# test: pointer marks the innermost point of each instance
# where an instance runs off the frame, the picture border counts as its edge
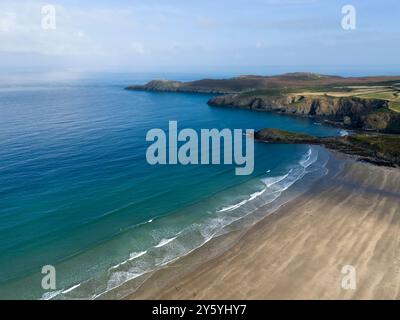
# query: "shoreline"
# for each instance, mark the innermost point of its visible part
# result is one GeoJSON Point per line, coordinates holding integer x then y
{"type": "Point", "coordinates": [297, 252]}
{"type": "Point", "coordinates": [300, 178]}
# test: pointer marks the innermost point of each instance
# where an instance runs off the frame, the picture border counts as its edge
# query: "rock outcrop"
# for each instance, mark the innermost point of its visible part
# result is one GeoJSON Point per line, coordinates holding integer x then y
{"type": "Point", "coordinates": [201, 86]}
{"type": "Point", "coordinates": [158, 85]}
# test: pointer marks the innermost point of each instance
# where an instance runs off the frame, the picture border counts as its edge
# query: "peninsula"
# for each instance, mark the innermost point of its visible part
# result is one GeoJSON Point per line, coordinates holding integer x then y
{"type": "Point", "coordinates": [361, 103]}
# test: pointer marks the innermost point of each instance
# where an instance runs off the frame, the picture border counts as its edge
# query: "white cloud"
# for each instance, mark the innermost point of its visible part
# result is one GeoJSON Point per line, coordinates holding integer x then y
{"type": "Point", "coordinates": [79, 31]}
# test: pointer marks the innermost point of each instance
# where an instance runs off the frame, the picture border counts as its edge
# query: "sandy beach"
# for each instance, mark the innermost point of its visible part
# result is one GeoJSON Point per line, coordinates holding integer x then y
{"type": "Point", "coordinates": [298, 252]}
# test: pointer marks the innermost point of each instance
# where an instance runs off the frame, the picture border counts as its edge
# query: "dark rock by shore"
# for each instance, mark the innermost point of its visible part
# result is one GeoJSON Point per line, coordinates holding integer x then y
{"type": "Point", "coordinates": [380, 149]}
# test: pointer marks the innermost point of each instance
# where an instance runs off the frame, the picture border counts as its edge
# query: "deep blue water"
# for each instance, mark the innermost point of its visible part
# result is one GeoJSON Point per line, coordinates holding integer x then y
{"type": "Point", "coordinates": [76, 191]}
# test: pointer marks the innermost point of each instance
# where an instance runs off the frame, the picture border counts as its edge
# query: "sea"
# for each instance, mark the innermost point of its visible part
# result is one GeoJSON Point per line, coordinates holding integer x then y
{"type": "Point", "coordinates": [77, 194]}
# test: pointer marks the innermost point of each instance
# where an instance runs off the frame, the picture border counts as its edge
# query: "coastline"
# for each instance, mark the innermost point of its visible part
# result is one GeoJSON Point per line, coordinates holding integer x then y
{"type": "Point", "coordinates": [352, 103]}
{"type": "Point", "coordinates": [346, 218]}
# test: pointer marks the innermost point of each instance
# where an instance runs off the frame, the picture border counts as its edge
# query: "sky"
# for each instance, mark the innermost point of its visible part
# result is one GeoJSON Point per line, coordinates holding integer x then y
{"type": "Point", "coordinates": [193, 35]}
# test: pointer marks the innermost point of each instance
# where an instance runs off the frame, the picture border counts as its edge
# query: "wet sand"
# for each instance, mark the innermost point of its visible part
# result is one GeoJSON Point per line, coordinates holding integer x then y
{"type": "Point", "coordinates": [299, 251]}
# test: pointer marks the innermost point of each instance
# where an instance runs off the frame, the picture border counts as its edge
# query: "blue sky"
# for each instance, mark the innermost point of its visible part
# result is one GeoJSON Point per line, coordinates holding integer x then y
{"type": "Point", "coordinates": [188, 35]}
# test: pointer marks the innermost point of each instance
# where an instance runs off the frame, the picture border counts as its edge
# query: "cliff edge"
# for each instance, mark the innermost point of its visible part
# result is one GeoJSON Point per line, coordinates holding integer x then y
{"type": "Point", "coordinates": [350, 112]}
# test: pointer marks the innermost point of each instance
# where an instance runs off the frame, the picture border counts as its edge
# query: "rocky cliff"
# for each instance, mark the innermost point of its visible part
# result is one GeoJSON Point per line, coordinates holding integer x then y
{"type": "Point", "coordinates": [350, 112]}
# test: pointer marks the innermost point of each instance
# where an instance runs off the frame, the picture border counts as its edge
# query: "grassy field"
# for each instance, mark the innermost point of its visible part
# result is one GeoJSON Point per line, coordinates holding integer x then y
{"type": "Point", "coordinates": [395, 105]}
{"type": "Point", "coordinates": [388, 144]}
{"type": "Point", "coordinates": [388, 93]}
{"type": "Point", "coordinates": [306, 91]}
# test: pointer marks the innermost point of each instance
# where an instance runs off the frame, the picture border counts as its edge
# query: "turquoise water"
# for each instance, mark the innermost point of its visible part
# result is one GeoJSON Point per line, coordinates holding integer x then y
{"type": "Point", "coordinates": [76, 191]}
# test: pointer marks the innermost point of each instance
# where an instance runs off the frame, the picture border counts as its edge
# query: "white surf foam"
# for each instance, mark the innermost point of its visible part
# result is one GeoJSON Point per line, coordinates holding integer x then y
{"type": "Point", "coordinates": [132, 256]}
{"type": "Point", "coordinates": [50, 295]}
{"type": "Point", "coordinates": [135, 255]}
{"type": "Point", "coordinates": [273, 180]}
{"type": "Point", "coordinates": [164, 242]}
{"type": "Point", "coordinates": [72, 288]}
{"type": "Point", "coordinates": [241, 203]}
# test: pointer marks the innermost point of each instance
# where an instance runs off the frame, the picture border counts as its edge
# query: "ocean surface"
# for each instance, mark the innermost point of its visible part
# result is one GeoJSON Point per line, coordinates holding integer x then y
{"type": "Point", "coordinates": [77, 193]}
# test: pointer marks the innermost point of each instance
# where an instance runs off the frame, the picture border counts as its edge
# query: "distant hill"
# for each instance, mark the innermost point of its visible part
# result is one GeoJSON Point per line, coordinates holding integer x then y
{"type": "Point", "coordinates": [254, 82]}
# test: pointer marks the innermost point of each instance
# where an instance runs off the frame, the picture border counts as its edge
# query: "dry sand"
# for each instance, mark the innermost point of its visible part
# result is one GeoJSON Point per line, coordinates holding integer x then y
{"type": "Point", "coordinates": [299, 251]}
